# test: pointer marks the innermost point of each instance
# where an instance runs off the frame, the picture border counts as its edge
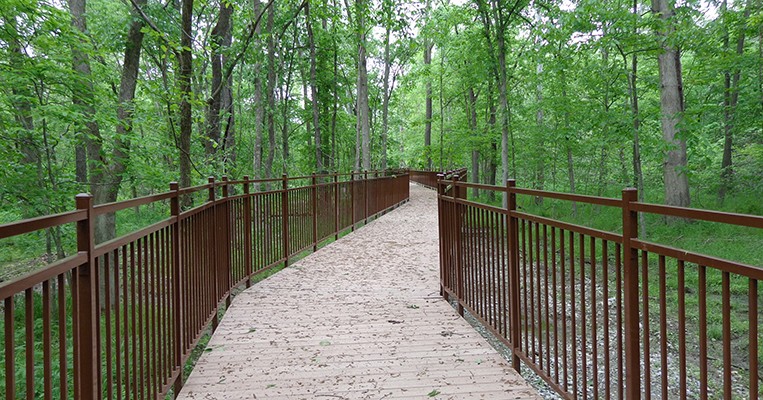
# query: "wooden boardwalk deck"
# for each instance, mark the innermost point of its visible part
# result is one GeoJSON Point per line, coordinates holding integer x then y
{"type": "Point", "coordinates": [360, 319]}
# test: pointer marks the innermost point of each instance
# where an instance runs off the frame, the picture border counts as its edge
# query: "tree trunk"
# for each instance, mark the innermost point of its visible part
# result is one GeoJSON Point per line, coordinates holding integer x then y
{"type": "Point", "coordinates": [385, 97]}
{"type": "Point", "coordinates": [259, 107]}
{"type": "Point", "coordinates": [539, 117]}
{"type": "Point", "coordinates": [184, 84]}
{"type": "Point", "coordinates": [286, 92]}
{"type": "Point", "coordinates": [428, 106]}
{"type": "Point", "coordinates": [314, 90]}
{"type": "Point", "coordinates": [364, 121]}
{"type": "Point", "coordinates": [730, 101]}
{"type": "Point", "coordinates": [471, 107]}
{"type": "Point", "coordinates": [270, 93]}
{"type": "Point", "coordinates": [571, 176]}
{"type": "Point", "coordinates": [491, 121]}
{"type": "Point", "coordinates": [214, 105]}
{"type": "Point", "coordinates": [638, 175]}
{"type": "Point", "coordinates": [672, 108]}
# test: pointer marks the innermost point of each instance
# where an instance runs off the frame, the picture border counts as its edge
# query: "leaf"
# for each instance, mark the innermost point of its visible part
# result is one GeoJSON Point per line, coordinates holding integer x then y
{"type": "Point", "coordinates": [325, 343]}
{"type": "Point", "coordinates": [433, 393]}
{"type": "Point", "coordinates": [252, 330]}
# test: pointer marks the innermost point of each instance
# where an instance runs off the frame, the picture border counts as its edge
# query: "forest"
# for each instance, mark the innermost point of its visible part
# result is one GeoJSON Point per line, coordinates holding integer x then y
{"type": "Point", "coordinates": [118, 98]}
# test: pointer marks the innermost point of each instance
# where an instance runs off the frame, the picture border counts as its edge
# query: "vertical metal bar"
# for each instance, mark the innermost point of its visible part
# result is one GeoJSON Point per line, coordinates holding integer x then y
{"type": "Point", "coordinates": [682, 329]}
{"type": "Point", "coordinates": [337, 227]}
{"type": "Point", "coordinates": [573, 314]}
{"type": "Point", "coordinates": [46, 342]}
{"type": "Point", "coordinates": [583, 319]}
{"type": "Point", "coordinates": [117, 327]}
{"type": "Point", "coordinates": [645, 324]}
{"type": "Point", "coordinates": [224, 247]}
{"type": "Point", "coordinates": [605, 306]}
{"type": "Point", "coordinates": [663, 328]}
{"type": "Point", "coordinates": [441, 241]}
{"type": "Point", "coordinates": [107, 320]}
{"type": "Point", "coordinates": [86, 293]}
{"type": "Point", "coordinates": [726, 300]}
{"type": "Point", "coordinates": [594, 314]}
{"type": "Point", "coordinates": [525, 287]}
{"type": "Point", "coordinates": [365, 185]}
{"type": "Point", "coordinates": [631, 291]}
{"type": "Point", "coordinates": [212, 234]}
{"type": "Point", "coordinates": [513, 248]}
{"type": "Point", "coordinates": [619, 319]}
{"type": "Point", "coordinates": [141, 354]}
{"type": "Point", "coordinates": [62, 353]}
{"type": "Point", "coordinates": [352, 201]}
{"type": "Point", "coordinates": [10, 347]}
{"type": "Point", "coordinates": [457, 244]}
{"type": "Point", "coordinates": [315, 212]}
{"type": "Point", "coordinates": [531, 291]}
{"type": "Point", "coordinates": [545, 300]}
{"type": "Point", "coordinates": [285, 218]}
{"type": "Point", "coordinates": [177, 314]}
{"type": "Point", "coordinates": [563, 279]}
{"type": "Point", "coordinates": [752, 307]}
{"type": "Point", "coordinates": [29, 342]}
{"type": "Point", "coordinates": [248, 244]}
{"type": "Point", "coordinates": [556, 305]}
{"type": "Point", "coordinates": [702, 331]}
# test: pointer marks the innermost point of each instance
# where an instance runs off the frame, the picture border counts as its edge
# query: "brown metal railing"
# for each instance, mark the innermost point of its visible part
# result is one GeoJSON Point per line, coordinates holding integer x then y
{"type": "Point", "coordinates": [589, 311]}
{"type": "Point", "coordinates": [119, 320]}
{"type": "Point", "coordinates": [429, 179]}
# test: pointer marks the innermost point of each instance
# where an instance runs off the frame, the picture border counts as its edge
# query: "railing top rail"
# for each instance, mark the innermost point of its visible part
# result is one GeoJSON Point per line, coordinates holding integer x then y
{"type": "Point", "coordinates": [35, 224]}
{"type": "Point", "coordinates": [752, 221]}
{"type": "Point", "coordinates": [604, 201]}
{"type": "Point", "coordinates": [24, 282]}
{"type": "Point", "coordinates": [121, 205]}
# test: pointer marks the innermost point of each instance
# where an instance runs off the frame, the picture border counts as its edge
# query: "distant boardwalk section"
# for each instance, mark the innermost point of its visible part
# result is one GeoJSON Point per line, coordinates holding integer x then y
{"type": "Point", "coordinates": [359, 319]}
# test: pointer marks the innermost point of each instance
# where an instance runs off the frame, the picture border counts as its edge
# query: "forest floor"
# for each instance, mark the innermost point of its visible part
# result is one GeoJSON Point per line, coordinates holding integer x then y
{"type": "Point", "coordinates": [361, 318]}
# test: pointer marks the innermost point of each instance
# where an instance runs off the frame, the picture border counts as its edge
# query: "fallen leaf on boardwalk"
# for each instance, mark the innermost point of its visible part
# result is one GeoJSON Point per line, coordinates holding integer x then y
{"type": "Point", "coordinates": [433, 393]}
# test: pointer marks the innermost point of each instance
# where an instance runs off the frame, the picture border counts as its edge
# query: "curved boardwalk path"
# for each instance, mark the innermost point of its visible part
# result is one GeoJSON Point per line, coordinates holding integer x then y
{"type": "Point", "coordinates": [360, 319]}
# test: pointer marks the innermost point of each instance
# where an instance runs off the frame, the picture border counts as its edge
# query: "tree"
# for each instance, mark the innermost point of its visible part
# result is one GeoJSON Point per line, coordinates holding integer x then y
{"type": "Point", "coordinates": [362, 107]}
{"type": "Point", "coordinates": [672, 107]}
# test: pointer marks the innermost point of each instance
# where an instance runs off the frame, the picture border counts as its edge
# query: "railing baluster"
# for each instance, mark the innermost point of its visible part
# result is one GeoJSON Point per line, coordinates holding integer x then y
{"type": "Point", "coordinates": [513, 262]}
{"type": "Point", "coordinates": [631, 297]}
{"type": "Point", "coordinates": [87, 370]}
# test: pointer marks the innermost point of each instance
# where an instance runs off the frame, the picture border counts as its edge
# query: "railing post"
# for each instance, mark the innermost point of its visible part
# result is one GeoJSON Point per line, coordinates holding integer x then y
{"type": "Point", "coordinates": [315, 212]}
{"type": "Point", "coordinates": [248, 232]}
{"type": "Point", "coordinates": [441, 221]}
{"type": "Point", "coordinates": [365, 185]}
{"type": "Point", "coordinates": [213, 233]}
{"type": "Point", "coordinates": [631, 296]}
{"type": "Point", "coordinates": [352, 201]}
{"type": "Point", "coordinates": [336, 206]}
{"type": "Point", "coordinates": [177, 309]}
{"type": "Point", "coordinates": [512, 227]}
{"type": "Point", "coordinates": [457, 245]}
{"type": "Point", "coordinates": [224, 245]}
{"type": "Point", "coordinates": [87, 288]}
{"type": "Point", "coordinates": [285, 218]}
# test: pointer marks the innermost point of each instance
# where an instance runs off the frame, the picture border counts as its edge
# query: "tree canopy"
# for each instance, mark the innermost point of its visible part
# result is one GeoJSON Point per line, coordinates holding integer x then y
{"type": "Point", "coordinates": [118, 98]}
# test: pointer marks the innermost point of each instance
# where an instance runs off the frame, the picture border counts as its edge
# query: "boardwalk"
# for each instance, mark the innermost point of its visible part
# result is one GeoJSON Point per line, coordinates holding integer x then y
{"type": "Point", "coordinates": [360, 319]}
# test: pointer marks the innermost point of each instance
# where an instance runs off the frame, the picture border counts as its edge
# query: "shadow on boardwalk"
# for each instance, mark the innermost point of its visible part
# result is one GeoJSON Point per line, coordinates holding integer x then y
{"type": "Point", "coordinates": [360, 319]}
